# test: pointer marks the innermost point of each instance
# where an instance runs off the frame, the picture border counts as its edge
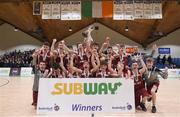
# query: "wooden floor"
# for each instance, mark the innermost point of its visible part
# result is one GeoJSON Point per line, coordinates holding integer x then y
{"type": "Point", "coordinates": [15, 99]}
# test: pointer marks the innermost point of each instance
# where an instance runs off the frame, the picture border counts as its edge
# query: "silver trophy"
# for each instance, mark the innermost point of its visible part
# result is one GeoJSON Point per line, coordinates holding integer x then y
{"type": "Point", "coordinates": [87, 34]}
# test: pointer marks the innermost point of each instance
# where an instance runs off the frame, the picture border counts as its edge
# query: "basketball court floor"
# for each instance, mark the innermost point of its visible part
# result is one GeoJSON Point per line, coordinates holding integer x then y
{"type": "Point", "coordinates": [16, 98]}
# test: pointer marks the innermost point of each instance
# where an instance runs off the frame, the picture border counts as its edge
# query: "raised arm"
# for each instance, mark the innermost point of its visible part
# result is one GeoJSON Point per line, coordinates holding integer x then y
{"type": "Point", "coordinates": [94, 59]}
{"type": "Point", "coordinates": [144, 68]}
{"type": "Point", "coordinates": [45, 75]}
{"type": "Point", "coordinates": [112, 71]}
{"type": "Point", "coordinates": [53, 43]}
{"type": "Point", "coordinates": [67, 49]}
{"type": "Point", "coordinates": [154, 47]}
{"type": "Point", "coordinates": [37, 52]}
{"type": "Point", "coordinates": [75, 69]}
{"type": "Point", "coordinates": [62, 63]}
{"type": "Point", "coordinates": [104, 45]}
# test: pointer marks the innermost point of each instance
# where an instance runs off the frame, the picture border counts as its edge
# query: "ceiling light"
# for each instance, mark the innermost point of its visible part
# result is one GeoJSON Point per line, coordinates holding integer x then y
{"type": "Point", "coordinates": [126, 28]}
{"type": "Point", "coordinates": [15, 29]}
{"type": "Point", "coordinates": [70, 29]}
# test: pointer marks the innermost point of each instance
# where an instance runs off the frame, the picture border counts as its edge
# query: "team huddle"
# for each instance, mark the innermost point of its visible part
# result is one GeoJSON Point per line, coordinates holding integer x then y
{"type": "Point", "coordinates": [94, 61]}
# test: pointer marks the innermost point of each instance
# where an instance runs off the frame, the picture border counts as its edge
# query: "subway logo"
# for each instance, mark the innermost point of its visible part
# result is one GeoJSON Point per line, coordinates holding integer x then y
{"type": "Point", "coordinates": [85, 88]}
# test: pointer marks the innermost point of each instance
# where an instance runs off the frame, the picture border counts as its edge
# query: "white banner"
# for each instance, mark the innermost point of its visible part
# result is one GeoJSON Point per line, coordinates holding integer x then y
{"type": "Point", "coordinates": [26, 72]}
{"type": "Point", "coordinates": [71, 10]}
{"type": "Point", "coordinates": [138, 9]}
{"type": "Point", "coordinates": [66, 10]}
{"type": "Point", "coordinates": [46, 10]}
{"type": "Point", "coordinates": [76, 10]}
{"type": "Point", "coordinates": [174, 73]}
{"type": "Point", "coordinates": [118, 12]}
{"type": "Point", "coordinates": [92, 95]}
{"type": "Point", "coordinates": [157, 10]}
{"type": "Point", "coordinates": [147, 10]}
{"type": "Point", "coordinates": [56, 10]}
{"type": "Point", "coordinates": [128, 10]}
{"type": "Point", "coordinates": [4, 72]}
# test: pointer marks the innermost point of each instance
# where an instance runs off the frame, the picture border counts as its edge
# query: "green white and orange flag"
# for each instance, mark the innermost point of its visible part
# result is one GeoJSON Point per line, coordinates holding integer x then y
{"type": "Point", "coordinates": [97, 9]}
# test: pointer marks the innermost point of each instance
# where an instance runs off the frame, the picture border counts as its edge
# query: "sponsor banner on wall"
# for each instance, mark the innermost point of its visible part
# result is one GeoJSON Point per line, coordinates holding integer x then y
{"type": "Point", "coordinates": [66, 10]}
{"type": "Point", "coordinates": [46, 10]}
{"type": "Point", "coordinates": [56, 10]}
{"type": "Point", "coordinates": [138, 9]}
{"type": "Point", "coordinates": [129, 10]}
{"type": "Point", "coordinates": [26, 72]}
{"type": "Point", "coordinates": [70, 10]}
{"type": "Point", "coordinates": [76, 10]}
{"type": "Point", "coordinates": [164, 50]}
{"type": "Point", "coordinates": [131, 49]}
{"type": "Point", "coordinates": [147, 9]}
{"type": "Point", "coordinates": [4, 72]}
{"type": "Point", "coordinates": [15, 72]}
{"type": "Point", "coordinates": [92, 95]}
{"type": "Point", "coordinates": [157, 10]}
{"type": "Point", "coordinates": [118, 10]}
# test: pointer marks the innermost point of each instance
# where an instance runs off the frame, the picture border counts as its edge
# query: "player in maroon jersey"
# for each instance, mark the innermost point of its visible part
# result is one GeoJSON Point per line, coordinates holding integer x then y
{"type": "Point", "coordinates": [86, 71]}
{"type": "Point", "coordinates": [119, 71]}
{"type": "Point", "coordinates": [43, 54]}
{"type": "Point", "coordinates": [139, 87]}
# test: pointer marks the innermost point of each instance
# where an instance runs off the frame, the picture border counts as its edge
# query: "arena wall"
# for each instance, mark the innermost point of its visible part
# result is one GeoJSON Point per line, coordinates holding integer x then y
{"type": "Point", "coordinates": [99, 36]}
{"type": "Point", "coordinates": [11, 40]}
{"type": "Point", "coordinates": [171, 41]}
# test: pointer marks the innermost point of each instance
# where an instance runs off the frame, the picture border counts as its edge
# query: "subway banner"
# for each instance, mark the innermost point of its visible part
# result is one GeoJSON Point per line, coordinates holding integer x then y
{"type": "Point", "coordinates": [86, 96]}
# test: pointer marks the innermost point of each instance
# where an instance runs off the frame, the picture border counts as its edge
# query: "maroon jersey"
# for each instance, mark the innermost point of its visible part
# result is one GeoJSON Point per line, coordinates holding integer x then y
{"type": "Point", "coordinates": [138, 81]}
{"type": "Point", "coordinates": [119, 59]}
{"type": "Point", "coordinates": [44, 57]}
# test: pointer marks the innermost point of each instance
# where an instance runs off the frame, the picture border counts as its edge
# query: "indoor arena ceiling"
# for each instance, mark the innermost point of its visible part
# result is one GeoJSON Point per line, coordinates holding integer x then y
{"type": "Point", "coordinates": [19, 14]}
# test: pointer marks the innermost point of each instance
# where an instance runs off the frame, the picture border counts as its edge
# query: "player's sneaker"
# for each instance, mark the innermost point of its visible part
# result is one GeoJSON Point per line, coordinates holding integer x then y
{"type": "Point", "coordinates": [143, 107]}
{"type": "Point", "coordinates": [153, 109]}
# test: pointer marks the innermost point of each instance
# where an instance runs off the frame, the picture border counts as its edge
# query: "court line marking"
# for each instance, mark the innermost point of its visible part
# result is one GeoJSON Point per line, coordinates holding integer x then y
{"type": "Point", "coordinates": [6, 82]}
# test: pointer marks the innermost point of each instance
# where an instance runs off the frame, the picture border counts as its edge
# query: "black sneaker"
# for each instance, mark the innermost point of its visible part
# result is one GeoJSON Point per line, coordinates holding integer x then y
{"type": "Point", "coordinates": [153, 109]}
{"type": "Point", "coordinates": [149, 99]}
{"type": "Point", "coordinates": [143, 107]}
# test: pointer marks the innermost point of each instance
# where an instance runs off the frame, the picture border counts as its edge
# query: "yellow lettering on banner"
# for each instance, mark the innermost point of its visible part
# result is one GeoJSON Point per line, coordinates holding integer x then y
{"type": "Point", "coordinates": [58, 91]}
{"type": "Point", "coordinates": [78, 88]}
{"type": "Point", "coordinates": [66, 91]}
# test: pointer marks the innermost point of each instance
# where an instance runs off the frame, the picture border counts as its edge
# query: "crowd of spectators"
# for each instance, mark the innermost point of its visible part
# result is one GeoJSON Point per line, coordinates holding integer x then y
{"type": "Point", "coordinates": [164, 61]}
{"type": "Point", "coordinates": [16, 59]}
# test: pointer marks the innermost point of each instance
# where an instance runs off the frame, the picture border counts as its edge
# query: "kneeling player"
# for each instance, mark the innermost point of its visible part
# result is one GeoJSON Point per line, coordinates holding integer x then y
{"type": "Point", "coordinates": [152, 80]}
